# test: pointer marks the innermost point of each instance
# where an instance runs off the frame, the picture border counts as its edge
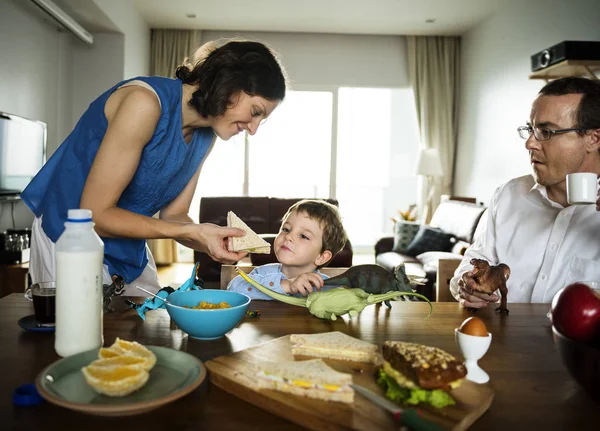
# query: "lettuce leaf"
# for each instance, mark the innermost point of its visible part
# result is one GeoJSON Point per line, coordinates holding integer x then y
{"type": "Point", "coordinates": [436, 397]}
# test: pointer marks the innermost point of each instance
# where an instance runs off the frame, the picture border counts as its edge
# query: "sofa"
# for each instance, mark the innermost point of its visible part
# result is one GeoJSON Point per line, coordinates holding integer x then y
{"type": "Point", "coordinates": [420, 247]}
{"type": "Point", "coordinates": [263, 215]}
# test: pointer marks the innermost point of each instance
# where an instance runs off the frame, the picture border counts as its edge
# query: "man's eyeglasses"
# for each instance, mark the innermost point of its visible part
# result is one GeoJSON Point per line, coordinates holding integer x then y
{"type": "Point", "coordinates": [542, 133]}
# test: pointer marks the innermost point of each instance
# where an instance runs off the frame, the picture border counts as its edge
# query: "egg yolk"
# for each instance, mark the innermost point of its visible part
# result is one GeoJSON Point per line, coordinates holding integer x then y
{"type": "Point", "coordinates": [474, 326]}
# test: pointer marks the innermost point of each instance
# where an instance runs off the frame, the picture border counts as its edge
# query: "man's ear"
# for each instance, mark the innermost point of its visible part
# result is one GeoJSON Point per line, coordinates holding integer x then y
{"type": "Point", "coordinates": [594, 141]}
{"type": "Point", "coordinates": [323, 258]}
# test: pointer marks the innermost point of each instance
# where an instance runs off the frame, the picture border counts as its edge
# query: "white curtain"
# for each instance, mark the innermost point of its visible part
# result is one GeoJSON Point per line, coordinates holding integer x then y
{"type": "Point", "coordinates": [168, 49]}
{"type": "Point", "coordinates": [433, 68]}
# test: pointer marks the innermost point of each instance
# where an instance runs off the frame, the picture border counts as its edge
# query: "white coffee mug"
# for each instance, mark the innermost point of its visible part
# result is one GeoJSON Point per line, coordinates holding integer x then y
{"type": "Point", "coordinates": [582, 188]}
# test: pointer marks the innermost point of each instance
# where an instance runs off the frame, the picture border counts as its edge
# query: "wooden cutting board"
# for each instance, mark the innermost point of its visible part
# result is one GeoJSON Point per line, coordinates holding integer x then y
{"type": "Point", "coordinates": [234, 374]}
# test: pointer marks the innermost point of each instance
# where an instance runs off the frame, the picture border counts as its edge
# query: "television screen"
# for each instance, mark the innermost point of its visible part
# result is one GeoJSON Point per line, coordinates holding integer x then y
{"type": "Point", "coordinates": [22, 152]}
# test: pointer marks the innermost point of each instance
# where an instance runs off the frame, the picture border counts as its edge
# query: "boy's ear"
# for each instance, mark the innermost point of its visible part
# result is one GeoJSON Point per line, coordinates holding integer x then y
{"type": "Point", "coordinates": [323, 258]}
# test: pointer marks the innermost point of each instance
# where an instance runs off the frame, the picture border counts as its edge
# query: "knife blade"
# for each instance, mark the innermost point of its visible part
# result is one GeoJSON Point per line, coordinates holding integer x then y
{"type": "Point", "coordinates": [409, 417]}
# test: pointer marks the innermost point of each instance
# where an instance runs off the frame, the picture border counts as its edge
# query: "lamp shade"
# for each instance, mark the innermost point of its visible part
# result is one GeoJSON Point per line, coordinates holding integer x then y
{"type": "Point", "coordinates": [429, 163]}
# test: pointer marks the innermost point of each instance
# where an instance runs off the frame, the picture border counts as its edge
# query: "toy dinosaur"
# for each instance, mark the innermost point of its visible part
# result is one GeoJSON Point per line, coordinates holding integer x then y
{"type": "Point", "coordinates": [194, 283]}
{"type": "Point", "coordinates": [109, 291]}
{"type": "Point", "coordinates": [489, 278]}
{"type": "Point", "coordinates": [334, 302]}
{"type": "Point", "coordinates": [373, 279]}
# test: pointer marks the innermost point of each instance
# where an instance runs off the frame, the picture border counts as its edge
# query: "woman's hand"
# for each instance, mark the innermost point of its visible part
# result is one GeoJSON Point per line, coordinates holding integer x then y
{"type": "Point", "coordinates": [468, 295]}
{"type": "Point", "coordinates": [213, 240]}
{"type": "Point", "coordinates": [304, 284]}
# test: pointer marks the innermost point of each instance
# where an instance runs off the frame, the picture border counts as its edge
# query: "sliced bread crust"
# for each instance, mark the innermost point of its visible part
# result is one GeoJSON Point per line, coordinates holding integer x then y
{"type": "Point", "coordinates": [313, 370]}
{"type": "Point", "coordinates": [346, 395]}
{"type": "Point", "coordinates": [334, 345]}
{"type": "Point", "coordinates": [250, 242]}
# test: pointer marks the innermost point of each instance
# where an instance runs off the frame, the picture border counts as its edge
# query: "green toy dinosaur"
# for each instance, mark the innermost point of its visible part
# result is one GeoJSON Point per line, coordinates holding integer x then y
{"type": "Point", "coordinates": [334, 302]}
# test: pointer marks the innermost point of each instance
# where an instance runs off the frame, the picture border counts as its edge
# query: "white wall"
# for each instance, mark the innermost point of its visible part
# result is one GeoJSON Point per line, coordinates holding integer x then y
{"type": "Point", "coordinates": [136, 35]}
{"type": "Point", "coordinates": [318, 60]}
{"type": "Point", "coordinates": [95, 69]}
{"type": "Point", "coordinates": [496, 93]}
{"type": "Point", "coordinates": [34, 81]}
{"type": "Point", "coordinates": [49, 75]}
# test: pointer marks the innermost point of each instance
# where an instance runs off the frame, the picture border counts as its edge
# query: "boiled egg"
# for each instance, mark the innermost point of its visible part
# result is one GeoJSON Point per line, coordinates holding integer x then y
{"type": "Point", "coordinates": [474, 326]}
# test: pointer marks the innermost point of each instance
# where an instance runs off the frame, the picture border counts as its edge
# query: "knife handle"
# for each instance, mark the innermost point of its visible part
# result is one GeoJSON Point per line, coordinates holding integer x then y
{"type": "Point", "coordinates": [412, 418]}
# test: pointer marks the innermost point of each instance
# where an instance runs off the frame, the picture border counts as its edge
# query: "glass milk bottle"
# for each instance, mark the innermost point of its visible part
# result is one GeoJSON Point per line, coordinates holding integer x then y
{"type": "Point", "coordinates": [79, 293]}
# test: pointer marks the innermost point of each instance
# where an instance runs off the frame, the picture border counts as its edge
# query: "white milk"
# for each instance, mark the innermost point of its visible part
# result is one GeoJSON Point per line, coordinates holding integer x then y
{"type": "Point", "coordinates": [79, 295]}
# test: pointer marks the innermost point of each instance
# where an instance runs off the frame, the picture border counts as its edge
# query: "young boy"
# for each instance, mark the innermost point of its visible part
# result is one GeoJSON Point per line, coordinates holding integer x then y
{"type": "Point", "coordinates": [311, 235]}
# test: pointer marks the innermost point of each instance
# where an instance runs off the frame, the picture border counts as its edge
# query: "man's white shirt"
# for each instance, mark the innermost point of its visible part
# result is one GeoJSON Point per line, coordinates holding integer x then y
{"type": "Point", "coordinates": [546, 245]}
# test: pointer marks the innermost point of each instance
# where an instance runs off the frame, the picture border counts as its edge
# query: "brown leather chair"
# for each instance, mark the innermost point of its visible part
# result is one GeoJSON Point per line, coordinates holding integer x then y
{"type": "Point", "coordinates": [263, 215]}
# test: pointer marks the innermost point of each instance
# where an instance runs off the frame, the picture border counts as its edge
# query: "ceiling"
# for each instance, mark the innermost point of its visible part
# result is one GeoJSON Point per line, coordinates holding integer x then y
{"type": "Point", "coordinates": [381, 17]}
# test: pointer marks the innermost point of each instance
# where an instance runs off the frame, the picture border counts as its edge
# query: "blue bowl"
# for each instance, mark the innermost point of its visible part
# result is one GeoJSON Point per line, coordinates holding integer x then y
{"type": "Point", "coordinates": [206, 324]}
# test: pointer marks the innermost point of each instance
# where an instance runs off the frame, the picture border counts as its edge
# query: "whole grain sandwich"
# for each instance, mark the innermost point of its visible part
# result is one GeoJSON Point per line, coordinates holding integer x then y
{"type": "Point", "coordinates": [414, 373]}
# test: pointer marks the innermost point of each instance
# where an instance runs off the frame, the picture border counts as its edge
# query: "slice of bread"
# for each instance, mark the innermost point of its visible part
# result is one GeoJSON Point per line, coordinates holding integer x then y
{"type": "Point", "coordinates": [251, 242]}
{"type": "Point", "coordinates": [312, 379]}
{"type": "Point", "coordinates": [334, 345]}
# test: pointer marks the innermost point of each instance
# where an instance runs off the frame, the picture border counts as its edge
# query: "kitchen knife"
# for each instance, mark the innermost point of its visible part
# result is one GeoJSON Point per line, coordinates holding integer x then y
{"type": "Point", "coordinates": [409, 417]}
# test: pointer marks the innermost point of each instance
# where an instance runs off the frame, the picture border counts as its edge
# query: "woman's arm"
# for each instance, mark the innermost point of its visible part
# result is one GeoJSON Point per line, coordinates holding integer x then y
{"type": "Point", "coordinates": [132, 115]}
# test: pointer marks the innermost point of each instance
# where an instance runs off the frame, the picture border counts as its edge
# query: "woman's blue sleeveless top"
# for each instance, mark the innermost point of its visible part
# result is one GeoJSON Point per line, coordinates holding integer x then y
{"type": "Point", "coordinates": [166, 166]}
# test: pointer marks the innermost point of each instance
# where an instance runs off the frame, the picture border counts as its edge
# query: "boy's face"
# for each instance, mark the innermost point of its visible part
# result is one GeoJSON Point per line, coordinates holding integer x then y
{"type": "Point", "coordinates": [299, 243]}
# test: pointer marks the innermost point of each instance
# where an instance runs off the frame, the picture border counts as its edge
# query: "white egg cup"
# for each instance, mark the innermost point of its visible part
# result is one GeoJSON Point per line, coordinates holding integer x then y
{"type": "Point", "coordinates": [473, 348]}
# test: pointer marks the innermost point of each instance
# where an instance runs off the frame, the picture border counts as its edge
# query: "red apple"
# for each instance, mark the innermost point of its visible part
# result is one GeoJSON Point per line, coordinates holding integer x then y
{"type": "Point", "coordinates": [576, 312]}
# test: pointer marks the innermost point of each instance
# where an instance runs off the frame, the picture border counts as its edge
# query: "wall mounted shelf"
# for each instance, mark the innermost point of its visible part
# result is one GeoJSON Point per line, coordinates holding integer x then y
{"type": "Point", "coordinates": [565, 68]}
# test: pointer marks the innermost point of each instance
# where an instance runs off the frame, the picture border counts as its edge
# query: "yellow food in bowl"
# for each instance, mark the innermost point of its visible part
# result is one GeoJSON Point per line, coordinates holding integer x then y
{"type": "Point", "coordinates": [208, 306]}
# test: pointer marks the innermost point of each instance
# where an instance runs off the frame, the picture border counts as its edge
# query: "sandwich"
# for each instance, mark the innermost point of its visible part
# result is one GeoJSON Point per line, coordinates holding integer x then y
{"type": "Point", "coordinates": [251, 242]}
{"type": "Point", "coordinates": [414, 374]}
{"type": "Point", "coordinates": [334, 345]}
{"type": "Point", "coordinates": [312, 379]}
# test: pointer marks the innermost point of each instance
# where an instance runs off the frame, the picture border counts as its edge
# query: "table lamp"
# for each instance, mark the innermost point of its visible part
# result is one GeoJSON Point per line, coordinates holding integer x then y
{"type": "Point", "coordinates": [429, 166]}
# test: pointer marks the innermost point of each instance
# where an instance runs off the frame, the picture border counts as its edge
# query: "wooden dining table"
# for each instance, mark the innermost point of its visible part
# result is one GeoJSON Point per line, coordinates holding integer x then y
{"type": "Point", "coordinates": [532, 388]}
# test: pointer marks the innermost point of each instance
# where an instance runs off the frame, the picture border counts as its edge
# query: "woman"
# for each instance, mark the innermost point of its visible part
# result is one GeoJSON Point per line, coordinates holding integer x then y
{"type": "Point", "coordinates": [138, 151]}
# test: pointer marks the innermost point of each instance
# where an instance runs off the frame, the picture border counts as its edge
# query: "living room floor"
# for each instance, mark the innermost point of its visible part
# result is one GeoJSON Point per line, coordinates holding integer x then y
{"type": "Point", "coordinates": [176, 274]}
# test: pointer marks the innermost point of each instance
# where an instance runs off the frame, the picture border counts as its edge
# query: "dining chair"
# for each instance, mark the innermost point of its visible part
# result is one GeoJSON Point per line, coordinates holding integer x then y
{"type": "Point", "coordinates": [446, 268]}
{"type": "Point", "coordinates": [228, 272]}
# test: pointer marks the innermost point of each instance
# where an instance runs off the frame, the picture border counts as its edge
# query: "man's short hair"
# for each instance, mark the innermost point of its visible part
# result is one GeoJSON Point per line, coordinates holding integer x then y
{"type": "Point", "coordinates": [588, 112]}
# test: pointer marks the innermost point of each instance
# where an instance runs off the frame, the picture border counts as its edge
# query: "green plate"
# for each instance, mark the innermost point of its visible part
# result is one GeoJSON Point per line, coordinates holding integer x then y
{"type": "Point", "coordinates": [174, 375]}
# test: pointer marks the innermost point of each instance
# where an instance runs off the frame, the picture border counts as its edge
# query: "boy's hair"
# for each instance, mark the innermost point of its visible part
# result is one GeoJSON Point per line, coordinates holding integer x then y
{"type": "Point", "coordinates": [328, 217]}
{"type": "Point", "coordinates": [223, 72]}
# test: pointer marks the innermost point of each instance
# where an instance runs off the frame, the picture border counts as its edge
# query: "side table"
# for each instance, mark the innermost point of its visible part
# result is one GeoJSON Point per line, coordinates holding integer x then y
{"type": "Point", "coordinates": [13, 278]}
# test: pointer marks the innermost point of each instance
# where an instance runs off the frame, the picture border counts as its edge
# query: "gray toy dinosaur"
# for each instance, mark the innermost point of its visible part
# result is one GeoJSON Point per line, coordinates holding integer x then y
{"type": "Point", "coordinates": [373, 279]}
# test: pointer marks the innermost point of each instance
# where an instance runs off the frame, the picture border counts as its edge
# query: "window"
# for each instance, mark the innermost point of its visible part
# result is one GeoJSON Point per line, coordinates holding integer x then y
{"type": "Point", "coordinates": [377, 145]}
{"type": "Point", "coordinates": [290, 156]}
{"type": "Point", "coordinates": [295, 152]}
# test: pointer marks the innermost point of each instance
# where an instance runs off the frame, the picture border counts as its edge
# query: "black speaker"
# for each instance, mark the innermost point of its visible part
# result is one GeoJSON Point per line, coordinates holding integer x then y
{"type": "Point", "coordinates": [566, 50]}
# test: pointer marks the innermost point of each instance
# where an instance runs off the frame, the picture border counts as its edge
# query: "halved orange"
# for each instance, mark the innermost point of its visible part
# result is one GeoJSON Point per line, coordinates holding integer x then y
{"type": "Point", "coordinates": [129, 348]}
{"type": "Point", "coordinates": [121, 361]}
{"type": "Point", "coordinates": [115, 381]}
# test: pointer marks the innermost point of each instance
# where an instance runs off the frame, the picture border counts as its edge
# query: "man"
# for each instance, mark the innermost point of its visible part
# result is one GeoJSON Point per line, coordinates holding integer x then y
{"type": "Point", "coordinates": [529, 225]}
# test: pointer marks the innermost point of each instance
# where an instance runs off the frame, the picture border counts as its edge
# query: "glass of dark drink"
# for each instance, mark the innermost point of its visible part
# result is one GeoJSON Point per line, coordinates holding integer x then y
{"type": "Point", "coordinates": [43, 295]}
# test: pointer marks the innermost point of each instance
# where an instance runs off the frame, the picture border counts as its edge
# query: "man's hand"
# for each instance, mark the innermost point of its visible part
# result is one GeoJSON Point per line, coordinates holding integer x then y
{"type": "Point", "coordinates": [304, 284]}
{"type": "Point", "coordinates": [468, 295]}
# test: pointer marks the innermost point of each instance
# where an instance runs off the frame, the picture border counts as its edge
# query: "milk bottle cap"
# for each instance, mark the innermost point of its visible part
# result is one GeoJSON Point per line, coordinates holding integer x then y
{"type": "Point", "coordinates": [79, 216]}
